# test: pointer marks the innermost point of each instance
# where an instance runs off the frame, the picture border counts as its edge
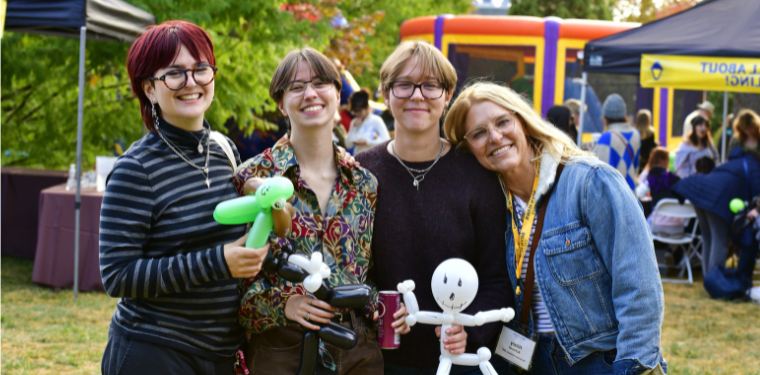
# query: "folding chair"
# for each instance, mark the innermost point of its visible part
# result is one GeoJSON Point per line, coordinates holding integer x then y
{"type": "Point", "coordinates": [690, 243]}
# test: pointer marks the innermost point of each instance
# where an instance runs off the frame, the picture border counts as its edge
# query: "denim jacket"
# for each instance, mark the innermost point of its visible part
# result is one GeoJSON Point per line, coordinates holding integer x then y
{"type": "Point", "coordinates": [596, 268]}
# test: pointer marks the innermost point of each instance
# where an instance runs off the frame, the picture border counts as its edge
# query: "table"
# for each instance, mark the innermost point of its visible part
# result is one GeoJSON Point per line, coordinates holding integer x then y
{"type": "Point", "coordinates": [20, 207]}
{"type": "Point", "coordinates": [54, 261]}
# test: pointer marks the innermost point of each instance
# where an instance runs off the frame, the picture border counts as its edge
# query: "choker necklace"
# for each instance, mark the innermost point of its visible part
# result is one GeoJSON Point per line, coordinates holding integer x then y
{"type": "Point", "coordinates": [412, 171]}
{"type": "Point", "coordinates": [204, 169]}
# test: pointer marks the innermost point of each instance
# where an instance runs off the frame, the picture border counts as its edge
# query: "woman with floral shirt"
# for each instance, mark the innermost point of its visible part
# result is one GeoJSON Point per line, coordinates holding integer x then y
{"type": "Point", "coordinates": [334, 208]}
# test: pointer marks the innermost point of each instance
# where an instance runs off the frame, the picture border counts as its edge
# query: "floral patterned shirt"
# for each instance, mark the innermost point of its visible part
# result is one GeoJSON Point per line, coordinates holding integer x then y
{"type": "Point", "coordinates": [342, 234]}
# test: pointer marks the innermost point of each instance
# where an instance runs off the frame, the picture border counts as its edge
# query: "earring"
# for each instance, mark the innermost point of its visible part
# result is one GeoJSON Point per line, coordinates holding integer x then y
{"type": "Point", "coordinates": [153, 112]}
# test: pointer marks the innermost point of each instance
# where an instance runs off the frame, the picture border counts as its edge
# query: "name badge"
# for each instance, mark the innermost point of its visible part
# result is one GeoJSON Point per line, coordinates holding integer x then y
{"type": "Point", "coordinates": [516, 345]}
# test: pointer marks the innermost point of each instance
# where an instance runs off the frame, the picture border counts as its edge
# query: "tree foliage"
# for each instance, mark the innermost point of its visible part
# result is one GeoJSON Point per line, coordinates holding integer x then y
{"type": "Point", "coordinates": [582, 9]}
{"type": "Point", "coordinates": [645, 11]}
{"type": "Point", "coordinates": [39, 81]}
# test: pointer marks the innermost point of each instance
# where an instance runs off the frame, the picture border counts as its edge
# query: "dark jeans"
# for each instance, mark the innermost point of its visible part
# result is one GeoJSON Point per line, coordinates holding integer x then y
{"type": "Point", "coordinates": [127, 356]}
{"type": "Point", "coordinates": [499, 364]}
{"type": "Point", "coordinates": [549, 359]}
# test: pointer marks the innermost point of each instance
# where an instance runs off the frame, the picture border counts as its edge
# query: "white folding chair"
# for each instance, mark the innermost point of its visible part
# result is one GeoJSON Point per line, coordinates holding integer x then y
{"type": "Point", "coordinates": [691, 248]}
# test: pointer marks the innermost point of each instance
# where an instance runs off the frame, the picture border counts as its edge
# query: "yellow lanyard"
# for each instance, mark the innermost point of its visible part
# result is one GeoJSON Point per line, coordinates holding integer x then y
{"type": "Point", "coordinates": [522, 238]}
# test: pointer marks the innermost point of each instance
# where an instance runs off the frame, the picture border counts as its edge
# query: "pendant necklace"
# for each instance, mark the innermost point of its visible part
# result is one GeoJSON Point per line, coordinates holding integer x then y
{"type": "Point", "coordinates": [420, 172]}
{"type": "Point", "coordinates": [178, 152]}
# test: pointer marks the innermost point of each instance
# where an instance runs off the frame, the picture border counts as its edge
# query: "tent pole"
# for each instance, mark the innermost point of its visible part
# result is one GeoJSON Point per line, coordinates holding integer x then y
{"type": "Point", "coordinates": [723, 137]}
{"type": "Point", "coordinates": [78, 200]}
{"type": "Point", "coordinates": [582, 114]}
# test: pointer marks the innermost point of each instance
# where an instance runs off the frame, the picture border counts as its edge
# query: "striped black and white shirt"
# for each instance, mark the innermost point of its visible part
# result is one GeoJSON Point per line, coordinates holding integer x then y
{"type": "Point", "coordinates": [541, 321]}
{"type": "Point", "coordinates": [161, 251]}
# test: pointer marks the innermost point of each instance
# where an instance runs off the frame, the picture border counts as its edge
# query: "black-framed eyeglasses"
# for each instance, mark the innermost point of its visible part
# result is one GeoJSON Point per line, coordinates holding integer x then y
{"type": "Point", "coordinates": [429, 90]}
{"type": "Point", "coordinates": [176, 79]}
{"type": "Point", "coordinates": [504, 124]}
{"type": "Point", "coordinates": [319, 83]}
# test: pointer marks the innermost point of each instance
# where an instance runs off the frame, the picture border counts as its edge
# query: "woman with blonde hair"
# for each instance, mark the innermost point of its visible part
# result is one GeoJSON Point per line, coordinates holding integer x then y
{"type": "Point", "coordinates": [433, 204]}
{"type": "Point", "coordinates": [646, 130]}
{"type": "Point", "coordinates": [746, 131]}
{"type": "Point", "coordinates": [583, 265]}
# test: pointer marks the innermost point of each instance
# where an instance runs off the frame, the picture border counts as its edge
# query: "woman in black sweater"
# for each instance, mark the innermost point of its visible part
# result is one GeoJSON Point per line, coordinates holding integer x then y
{"type": "Point", "coordinates": [434, 203]}
{"type": "Point", "coordinates": [173, 267]}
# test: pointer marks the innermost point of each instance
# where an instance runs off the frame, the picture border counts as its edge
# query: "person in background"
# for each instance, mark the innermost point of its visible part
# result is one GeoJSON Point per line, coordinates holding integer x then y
{"type": "Point", "coordinates": [367, 129]}
{"type": "Point", "coordinates": [646, 130]}
{"type": "Point", "coordinates": [174, 269]}
{"type": "Point", "coordinates": [746, 131]}
{"type": "Point", "coordinates": [619, 145]}
{"type": "Point", "coordinates": [729, 134]}
{"type": "Point", "coordinates": [704, 165]}
{"type": "Point", "coordinates": [698, 144]}
{"type": "Point", "coordinates": [334, 211]}
{"type": "Point", "coordinates": [434, 204]}
{"type": "Point", "coordinates": [597, 302]}
{"type": "Point", "coordinates": [658, 183]}
{"type": "Point", "coordinates": [704, 109]}
{"type": "Point", "coordinates": [562, 118]}
{"type": "Point", "coordinates": [738, 177]}
{"type": "Point", "coordinates": [338, 132]}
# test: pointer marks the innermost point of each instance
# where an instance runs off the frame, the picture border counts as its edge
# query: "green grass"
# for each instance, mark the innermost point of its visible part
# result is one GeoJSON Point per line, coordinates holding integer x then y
{"type": "Point", "coordinates": [45, 332]}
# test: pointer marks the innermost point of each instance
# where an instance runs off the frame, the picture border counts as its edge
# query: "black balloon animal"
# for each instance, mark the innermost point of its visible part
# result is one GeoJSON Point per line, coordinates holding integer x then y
{"type": "Point", "coordinates": [342, 297]}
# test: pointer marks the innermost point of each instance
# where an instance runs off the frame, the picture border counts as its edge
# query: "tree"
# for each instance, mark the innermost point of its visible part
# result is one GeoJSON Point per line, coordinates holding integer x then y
{"type": "Point", "coordinates": [645, 11]}
{"type": "Point", "coordinates": [386, 31]}
{"type": "Point", "coordinates": [39, 81]}
{"type": "Point", "coordinates": [582, 9]}
{"type": "Point", "coordinates": [39, 84]}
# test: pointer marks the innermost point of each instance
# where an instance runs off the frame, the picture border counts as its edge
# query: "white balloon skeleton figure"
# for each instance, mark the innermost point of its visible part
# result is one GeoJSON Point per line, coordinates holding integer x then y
{"type": "Point", "coordinates": [454, 286]}
{"type": "Point", "coordinates": [313, 273]}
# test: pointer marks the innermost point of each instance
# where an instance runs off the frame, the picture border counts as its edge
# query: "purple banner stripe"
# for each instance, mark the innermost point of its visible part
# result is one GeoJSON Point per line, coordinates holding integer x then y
{"type": "Point", "coordinates": [551, 37]}
{"type": "Point", "coordinates": [663, 117]}
{"type": "Point", "coordinates": [438, 32]}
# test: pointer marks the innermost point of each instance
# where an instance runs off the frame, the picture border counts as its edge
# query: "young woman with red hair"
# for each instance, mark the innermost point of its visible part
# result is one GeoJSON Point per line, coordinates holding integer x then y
{"type": "Point", "coordinates": [173, 267]}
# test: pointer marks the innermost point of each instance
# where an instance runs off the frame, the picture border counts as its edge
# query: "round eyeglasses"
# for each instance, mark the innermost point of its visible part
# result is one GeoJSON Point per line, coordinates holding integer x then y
{"type": "Point", "coordinates": [429, 90]}
{"type": "Point", "coordinates": [176, 79]}
{"type": "Point", "coordinates": [322, 83]}
{"type": "Point", "coordinates": [504, 124]}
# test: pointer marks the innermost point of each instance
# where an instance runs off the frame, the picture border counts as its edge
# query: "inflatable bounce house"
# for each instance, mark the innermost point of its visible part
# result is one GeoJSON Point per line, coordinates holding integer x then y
{"type": "Point", "coordinates": [538, 57]}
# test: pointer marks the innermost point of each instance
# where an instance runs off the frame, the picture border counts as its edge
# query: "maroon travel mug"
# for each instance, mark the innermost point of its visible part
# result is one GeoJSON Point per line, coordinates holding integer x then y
{"type": "Point", "coordinates": [388, 302]}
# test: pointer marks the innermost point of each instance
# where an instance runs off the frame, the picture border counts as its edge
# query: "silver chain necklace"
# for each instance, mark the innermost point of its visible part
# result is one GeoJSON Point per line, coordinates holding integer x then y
{"type": "Point", "coordinates": [412, 171]}
{"type": "Point", "coordinates": [200, 145]}
{"type": "Point", "coordinates": [203, 170]}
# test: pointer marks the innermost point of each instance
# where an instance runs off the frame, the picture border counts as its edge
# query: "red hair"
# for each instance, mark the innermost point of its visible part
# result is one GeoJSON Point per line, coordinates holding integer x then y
{"type": "Point", "coordinates": [156, 49]}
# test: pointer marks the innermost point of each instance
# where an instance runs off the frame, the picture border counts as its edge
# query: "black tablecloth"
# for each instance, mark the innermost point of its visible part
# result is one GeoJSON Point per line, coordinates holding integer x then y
{"type": "Point", "coordinates": [20, 207]}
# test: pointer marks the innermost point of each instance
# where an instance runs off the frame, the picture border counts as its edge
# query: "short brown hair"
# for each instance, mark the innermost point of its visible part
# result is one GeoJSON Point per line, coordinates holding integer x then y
{"type": "Point", "coordinates": [430, 60]}
{"type": "Point", "coordinates": [320, 64]}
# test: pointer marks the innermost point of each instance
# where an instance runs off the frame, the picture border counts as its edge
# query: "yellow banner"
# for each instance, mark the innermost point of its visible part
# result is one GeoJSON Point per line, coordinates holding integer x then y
{"type": "Point", "coordinates": [700, 73]}
{"type": "Point", "coordinates": [3, 6]}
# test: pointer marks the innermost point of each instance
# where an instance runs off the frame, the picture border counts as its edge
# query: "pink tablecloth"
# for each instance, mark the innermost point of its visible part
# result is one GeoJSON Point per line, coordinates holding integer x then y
{"type": "Point", "coordinates": [54, 260]}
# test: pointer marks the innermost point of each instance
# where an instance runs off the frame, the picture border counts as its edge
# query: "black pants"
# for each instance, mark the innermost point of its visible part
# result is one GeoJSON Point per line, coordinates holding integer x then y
{"type": "Point", "coordinates": [127, 356]}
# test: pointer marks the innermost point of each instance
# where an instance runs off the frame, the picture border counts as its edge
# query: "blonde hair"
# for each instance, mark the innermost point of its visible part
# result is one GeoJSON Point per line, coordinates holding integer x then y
{"type": "Point", "coordinates": [429, 59]}
{"type": "Point", "coordinates": [644, 123]}
{"type": "Point", "coordinates": [746, 121]}
{"type": "Point", "coordinates": [574, 105]}
{"type": "Point", "coordinates": [541, 134]}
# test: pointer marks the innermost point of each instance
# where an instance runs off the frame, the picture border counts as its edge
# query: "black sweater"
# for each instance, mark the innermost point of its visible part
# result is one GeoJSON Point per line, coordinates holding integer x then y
{"type": "Point", "coordinates": [161, 250]}
{"type": "Point", "coordinates": [458, 212]}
